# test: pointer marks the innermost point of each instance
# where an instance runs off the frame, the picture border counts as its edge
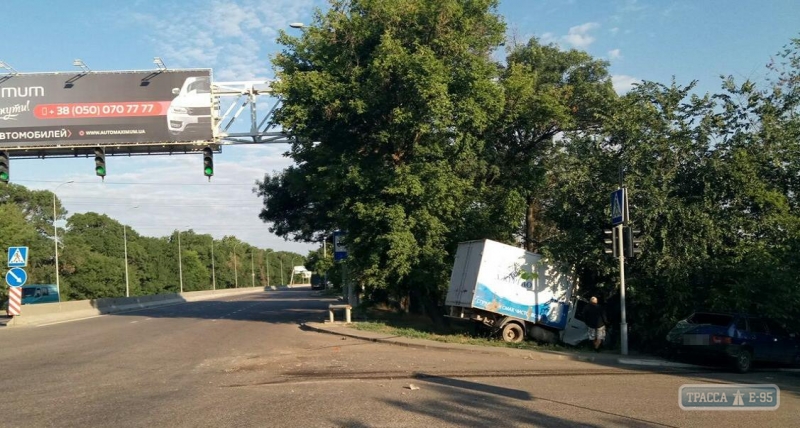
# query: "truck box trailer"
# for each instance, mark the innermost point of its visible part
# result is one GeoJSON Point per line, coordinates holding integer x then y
{"type": "Point", "coordinates": [513, 292]}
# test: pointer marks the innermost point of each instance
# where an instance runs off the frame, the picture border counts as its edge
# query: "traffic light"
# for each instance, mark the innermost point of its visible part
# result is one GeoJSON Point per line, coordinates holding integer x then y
{"type": "Point", "coordinates": [611, 245]}
{"type": "Point", "coordinates": [633, 242]}
{"type": "Point", "coordinates": [100, 162]}
{"type": "Point", "coordinates": [4, 166]}
{"type": "Point", "coordinates": [208, 162]}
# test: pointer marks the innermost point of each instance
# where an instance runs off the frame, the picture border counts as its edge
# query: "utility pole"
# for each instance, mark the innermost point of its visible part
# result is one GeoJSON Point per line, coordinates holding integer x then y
{"type": "Point", "coordinates": [620, 217]}
{"type": "Point", "coordinates": [252, 270]}
{"type": "Point", "coordinates": [213, 268]}
{"type": "Point", "coordinates": [623, 327]}
{"type": "Point", "coordinates": [235, 271]}
{"type": "Point", "coordinates": [180, 263]}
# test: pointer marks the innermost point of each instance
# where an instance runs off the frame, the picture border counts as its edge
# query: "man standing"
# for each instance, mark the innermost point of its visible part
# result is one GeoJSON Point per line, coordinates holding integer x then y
{"type": "Point", "coordinates": [595, 318]}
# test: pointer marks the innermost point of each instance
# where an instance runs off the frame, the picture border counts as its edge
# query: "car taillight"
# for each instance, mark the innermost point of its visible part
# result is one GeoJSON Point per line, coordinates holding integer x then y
{"type": "Point", "coordinates": [720, 340]}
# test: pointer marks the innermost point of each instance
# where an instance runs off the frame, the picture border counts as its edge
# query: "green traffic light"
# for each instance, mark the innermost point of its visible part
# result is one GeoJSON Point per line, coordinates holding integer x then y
{"type": "Point", "coordinates": [3, 176]}
{"type": "Point", "coordinates": [100, 171]}
{"type": "Point", "coordinates": [209, 171]}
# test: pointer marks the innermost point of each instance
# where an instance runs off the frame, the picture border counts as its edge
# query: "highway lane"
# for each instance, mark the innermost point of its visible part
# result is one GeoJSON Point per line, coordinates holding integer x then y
{"type": "Point", "coordinates": [244, 361]}
{"type": "Point", "coordinates": [117, 357]}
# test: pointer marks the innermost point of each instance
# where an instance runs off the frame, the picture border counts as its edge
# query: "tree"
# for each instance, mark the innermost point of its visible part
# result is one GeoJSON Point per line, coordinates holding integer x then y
{"type": "Point", "coordinates": [16, 231]}
{"type": "Point", "coordinates": [387, 102]}
{"type": "Point", "coordinates": [37, 210]}
{"type": "Point", "coordinates": [547, 92]}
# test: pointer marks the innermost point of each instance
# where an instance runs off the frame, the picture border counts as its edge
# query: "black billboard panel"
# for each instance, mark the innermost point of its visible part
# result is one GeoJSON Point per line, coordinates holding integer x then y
{"type": "Point", "coordinates": [58, 110]}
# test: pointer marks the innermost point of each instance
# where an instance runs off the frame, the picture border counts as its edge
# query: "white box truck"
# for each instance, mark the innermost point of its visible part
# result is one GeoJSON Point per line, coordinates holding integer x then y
{"type": "Point", "coordinates": [513, 292]}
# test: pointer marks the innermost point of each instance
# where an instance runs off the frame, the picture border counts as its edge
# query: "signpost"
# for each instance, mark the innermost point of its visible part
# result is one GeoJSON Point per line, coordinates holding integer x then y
{"type": "Point", "coordinates": [16, 277]}
{"type": "Point", "coordinates": [14, 301]}
{"type": "Point", "coordinates": [619, 216]}
{"type": "Point", "coordinates": [339, 254]}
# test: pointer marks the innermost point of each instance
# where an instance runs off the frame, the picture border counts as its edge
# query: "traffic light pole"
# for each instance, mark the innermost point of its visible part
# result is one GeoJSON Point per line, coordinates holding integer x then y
{"type": "Point", "coordinates": [623, 327]}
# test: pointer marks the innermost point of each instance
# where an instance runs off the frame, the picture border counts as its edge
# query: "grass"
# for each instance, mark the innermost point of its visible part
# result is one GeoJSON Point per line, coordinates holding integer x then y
{"type": "Point", "coordinates": [420, 327]}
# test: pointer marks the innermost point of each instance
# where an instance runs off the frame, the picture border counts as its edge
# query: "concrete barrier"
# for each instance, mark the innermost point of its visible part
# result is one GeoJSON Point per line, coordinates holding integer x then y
{"type": "Point", "coordinates": [45, 313]}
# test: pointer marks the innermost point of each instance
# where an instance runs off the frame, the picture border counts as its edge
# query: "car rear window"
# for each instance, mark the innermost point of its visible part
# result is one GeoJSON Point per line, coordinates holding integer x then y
{"type": "Point", "coordinates": [713, 319]}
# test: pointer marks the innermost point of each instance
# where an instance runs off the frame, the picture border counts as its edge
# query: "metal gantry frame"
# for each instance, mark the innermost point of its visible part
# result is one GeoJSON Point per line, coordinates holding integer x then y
{"type": "Point", "coordinates": [244, 95]}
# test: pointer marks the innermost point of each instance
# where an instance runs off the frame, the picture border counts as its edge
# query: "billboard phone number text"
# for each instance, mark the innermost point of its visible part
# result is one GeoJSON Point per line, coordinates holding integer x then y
{"type": "Point", "coordinates": [95, 110]}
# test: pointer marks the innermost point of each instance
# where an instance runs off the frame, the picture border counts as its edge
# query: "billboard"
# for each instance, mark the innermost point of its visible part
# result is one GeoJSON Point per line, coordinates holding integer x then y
{"type": "Point", "coordinates": [58, 110]}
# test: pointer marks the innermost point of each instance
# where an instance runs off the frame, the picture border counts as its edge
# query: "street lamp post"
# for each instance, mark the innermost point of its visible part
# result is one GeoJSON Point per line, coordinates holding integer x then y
{"type": "Point", "coordinates": [180, 262]}
{"type": "Point", "coordinates": [55, 238]}
{"type": "Point", "coordinates": [252, 270]}
{"type": "Point", "coordinates": [125, 240]}
{"type": "Point", "coordinates": [266, 258]}
{"type": "Point", "coordinates": [325, 256]}
{"type": "Point", "coordinates": [213, 268]}
{"type": "Point", "coordinates": [235, 271]}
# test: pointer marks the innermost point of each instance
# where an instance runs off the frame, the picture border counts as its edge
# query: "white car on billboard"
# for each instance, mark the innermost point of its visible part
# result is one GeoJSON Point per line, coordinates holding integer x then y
{"type": "Point", "coordinates": [190, 111]}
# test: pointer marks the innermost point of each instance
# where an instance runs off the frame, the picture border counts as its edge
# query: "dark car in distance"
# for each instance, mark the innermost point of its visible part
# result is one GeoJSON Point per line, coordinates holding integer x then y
{"type": "Point", "coordinates": [737, 338]}
{"type": "Point", "coordinates": [317, 282]}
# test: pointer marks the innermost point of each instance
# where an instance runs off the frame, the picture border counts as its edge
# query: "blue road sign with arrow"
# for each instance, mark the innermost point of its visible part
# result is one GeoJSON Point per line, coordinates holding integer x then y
{"type": "Point", "coordinates": [16, 277]}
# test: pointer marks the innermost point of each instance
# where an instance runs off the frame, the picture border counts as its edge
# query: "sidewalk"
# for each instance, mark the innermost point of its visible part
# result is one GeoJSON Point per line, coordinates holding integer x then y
{"type": "Point", "coordinates": [607, 357]}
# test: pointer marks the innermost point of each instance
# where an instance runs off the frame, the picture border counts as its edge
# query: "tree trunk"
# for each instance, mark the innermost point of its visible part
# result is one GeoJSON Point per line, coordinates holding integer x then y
{"type": "Point", "coordinates": [531, 217]}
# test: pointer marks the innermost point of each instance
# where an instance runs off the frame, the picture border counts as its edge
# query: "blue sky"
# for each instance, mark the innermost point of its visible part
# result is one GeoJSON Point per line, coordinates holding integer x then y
{"type": "Point", "coordinates": [651, 40]}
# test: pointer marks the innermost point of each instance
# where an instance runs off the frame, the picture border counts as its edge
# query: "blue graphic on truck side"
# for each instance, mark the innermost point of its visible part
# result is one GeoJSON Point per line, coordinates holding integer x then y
{"type": "Point", "coordinates": [550, 313]}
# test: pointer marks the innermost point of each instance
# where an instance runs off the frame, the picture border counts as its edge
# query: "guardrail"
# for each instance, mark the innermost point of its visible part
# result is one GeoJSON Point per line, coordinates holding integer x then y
{"type": "Point", "coordinates": [44, 313]}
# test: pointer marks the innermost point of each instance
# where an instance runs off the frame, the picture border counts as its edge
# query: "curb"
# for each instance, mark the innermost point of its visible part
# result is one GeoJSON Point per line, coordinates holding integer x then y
{"type": "Point", "coordinates": [523, 353]}
{"type": "Point", "coordinates": [654, 363]}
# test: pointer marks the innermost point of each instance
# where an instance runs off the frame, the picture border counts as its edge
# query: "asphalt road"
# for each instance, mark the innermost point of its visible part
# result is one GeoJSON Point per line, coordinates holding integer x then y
{"type": "Point", "coordinates": [244, 361]}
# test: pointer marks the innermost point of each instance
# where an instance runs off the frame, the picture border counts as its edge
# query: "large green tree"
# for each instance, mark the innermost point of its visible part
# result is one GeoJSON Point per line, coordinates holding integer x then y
{"type": "Point", "coordinates": [387, 102]}
{"type": "Point", "coordinates": [547, 92]}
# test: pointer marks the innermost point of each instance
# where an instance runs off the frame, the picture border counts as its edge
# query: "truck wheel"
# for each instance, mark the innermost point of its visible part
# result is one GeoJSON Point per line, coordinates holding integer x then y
{"type": "Point", "coordinates": [512, 333]}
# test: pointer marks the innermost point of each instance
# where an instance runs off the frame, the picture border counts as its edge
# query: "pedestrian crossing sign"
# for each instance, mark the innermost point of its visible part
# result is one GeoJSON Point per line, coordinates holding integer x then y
{"type": "Point", "coordinates": [17, 256]}
{"type": "Point", "coordinates": [619, 207]}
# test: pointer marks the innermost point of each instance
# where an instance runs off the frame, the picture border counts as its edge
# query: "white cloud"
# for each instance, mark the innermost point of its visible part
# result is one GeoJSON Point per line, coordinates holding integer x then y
{"type": "Point", "coordinates": [630, 6]}
{"type": "Point", "coordinates": [614, 30]}
{"type": "Point", "coordinates": [234, 37]}
{"type": "Point", "coordinates": [548, 38]}
{"type": "Point", "coordinates": [579, 37]}
{"type": "Point", "coordinates": [623, 83]}
{"type": "Point", "coordinates": [614, 54]}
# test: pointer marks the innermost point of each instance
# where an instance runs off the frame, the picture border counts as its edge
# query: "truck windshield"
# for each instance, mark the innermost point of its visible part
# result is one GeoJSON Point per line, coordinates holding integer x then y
{"type": "Point", "coordinates": [713, 319]}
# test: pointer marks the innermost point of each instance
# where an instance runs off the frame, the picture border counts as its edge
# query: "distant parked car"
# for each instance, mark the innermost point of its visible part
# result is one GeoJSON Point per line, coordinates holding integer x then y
{"type": "Point", "coordinates": [317, 282]}
{"type": "Point", "coordinates": [737, 338]}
